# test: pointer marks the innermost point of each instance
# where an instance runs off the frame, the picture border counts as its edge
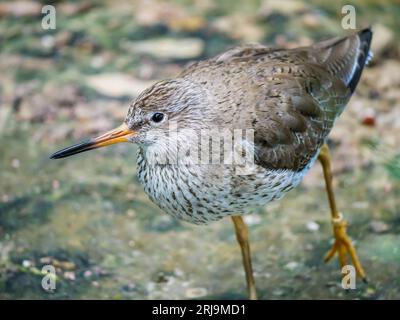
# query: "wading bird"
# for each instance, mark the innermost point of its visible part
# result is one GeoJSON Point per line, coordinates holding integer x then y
{"type": "Point", "coordinates": [290, 99]}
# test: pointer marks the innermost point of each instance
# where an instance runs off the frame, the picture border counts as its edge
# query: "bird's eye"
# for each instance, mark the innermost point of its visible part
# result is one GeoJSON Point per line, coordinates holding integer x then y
{"type": "Point", "coordinates": [157, 117]}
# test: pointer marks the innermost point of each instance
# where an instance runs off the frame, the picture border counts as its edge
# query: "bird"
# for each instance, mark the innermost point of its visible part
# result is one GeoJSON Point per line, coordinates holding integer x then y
{"type": "Point", "coordinates": [272, 107]}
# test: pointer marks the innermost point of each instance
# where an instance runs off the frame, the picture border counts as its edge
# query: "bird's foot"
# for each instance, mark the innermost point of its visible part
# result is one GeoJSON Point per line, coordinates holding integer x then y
{"type": "Point", "coordinates": [344, 247]}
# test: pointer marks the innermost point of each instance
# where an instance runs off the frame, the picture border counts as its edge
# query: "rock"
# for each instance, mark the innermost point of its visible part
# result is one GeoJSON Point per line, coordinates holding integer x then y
{"type": "Point", "coordinates": [288, 7]}
{"type": "Point", "coordinates": [27, 263]}
{"type": "Point", "coordinates": [252, 219]}
{"type": "Point", "coordinates": [71, 8]}
{"type": "Point", "coordinates": [311, 21]}
{"type": "Point", "coordinates": [382, 39]}
{"type": "Point", "coordinates": [69, 275]}
{"type": "Point", "coordinates": [20, 8]}
{"type": "Point", "coordinates": [312, 226]}
{"type": "Point", "coordinates": [65, 265]}
{"type": "Point", "coordinates": [48, 41]}
{"type": "Point", "coordinates": [193, 293]}
{"type": "Point", "coordinates": [240, 27]}
{"type": "Point", "coordinates": [175, 17]}
{"type": "Point", "coordinates": [117, 85]}
{"type": "Point", "coordinates": [291, 266]}
{"type": "Point", "coordinates": [378, 226]}
{"type": "Point", "coordinates": [278, 292]}
{"type": "Point", "coordinates": [168, 48]}
{"type": "Point", "coordinates": [15, 163]}
{"type": "Point", "coordinates": [87, 274]}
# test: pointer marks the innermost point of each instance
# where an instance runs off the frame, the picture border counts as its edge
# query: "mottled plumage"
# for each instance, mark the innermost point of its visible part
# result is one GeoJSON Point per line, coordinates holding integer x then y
{"type": "Point", "coordinates": [288, 99]}
{"type": "Point", "coordinates": [283, 103]}
{"type": "Point", "coordinates": [291, 98]}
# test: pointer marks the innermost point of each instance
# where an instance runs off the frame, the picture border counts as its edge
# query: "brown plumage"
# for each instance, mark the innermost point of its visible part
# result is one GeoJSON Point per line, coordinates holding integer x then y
{"type": "Point", "coordinates": [292, 96]}
{"type": "Point", "coordinates": [289, 99]}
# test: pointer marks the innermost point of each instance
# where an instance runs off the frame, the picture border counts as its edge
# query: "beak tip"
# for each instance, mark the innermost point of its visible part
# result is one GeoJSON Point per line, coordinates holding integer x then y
{"type": "Point", "coordinates": [54, 156]}
{"type": "Point", "coordinates": [114, 136]}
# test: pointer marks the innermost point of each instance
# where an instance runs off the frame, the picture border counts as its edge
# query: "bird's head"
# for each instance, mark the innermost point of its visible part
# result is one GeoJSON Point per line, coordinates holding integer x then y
{"type": "Point", "coordinates": [165, 106]}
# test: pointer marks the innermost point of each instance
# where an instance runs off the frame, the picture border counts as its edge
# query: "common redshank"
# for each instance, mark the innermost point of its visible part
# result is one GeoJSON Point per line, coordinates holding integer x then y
{"type": "Point", "coordinates": [283, 102]}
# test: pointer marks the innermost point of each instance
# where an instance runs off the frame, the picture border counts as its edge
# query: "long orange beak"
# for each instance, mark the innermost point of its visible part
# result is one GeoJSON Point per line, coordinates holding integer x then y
{"type": "Point", "coordinates": [120, 134]}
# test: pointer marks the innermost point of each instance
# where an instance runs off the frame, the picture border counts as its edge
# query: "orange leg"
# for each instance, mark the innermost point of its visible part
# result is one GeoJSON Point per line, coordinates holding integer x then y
{"type": "Point", "coordinates": [242, 236]}
{"type": "Point", "coordinates": [342, 245]}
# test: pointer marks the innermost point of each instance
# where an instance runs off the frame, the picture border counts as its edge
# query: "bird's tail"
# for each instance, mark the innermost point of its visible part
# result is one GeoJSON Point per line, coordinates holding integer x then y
{"type": "Point", "coordinates": [346, 57]}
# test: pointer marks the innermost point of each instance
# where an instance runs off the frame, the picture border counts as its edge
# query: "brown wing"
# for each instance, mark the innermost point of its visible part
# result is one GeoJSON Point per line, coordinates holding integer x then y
{"type": "Point", "coordinates": [306, 91]}
{"type": "Point", "coordinates": [290, 97]}
{"type": "Point", "coordinates": [301, 106]}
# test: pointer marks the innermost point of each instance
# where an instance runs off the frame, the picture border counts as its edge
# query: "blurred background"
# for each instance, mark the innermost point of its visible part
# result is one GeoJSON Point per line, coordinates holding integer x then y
{"type": "Point", "coordinates": [89, 217]}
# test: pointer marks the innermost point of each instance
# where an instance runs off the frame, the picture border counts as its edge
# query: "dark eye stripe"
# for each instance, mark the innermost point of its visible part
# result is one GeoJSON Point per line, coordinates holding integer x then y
{"type": "Point", "coordinates": [157, 117]}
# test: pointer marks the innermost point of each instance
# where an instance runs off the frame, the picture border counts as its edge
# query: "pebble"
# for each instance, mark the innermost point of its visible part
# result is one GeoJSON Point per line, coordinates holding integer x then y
{"type": "Point", "coordinates": [278, 292]}
{"type": "Point", "coordinates": [252, 219]}
{"type": "Point", "coordinates": [131, 213]}
{"type": "Point", "coordinates": [87, 274]}
{"type": "Point", "coordinates": [165, 48]}
{"type": "Point", "coordinates": [55, 184]}
{"type": "Point", "coordinates": [26, 263]}
{"type": "Point", "coordinates": [378, 226]}
{"type": "Point", "coordinates": [117, 84]}
{"type": "Point", "coordinates": [15, 163]}
{"type": "Point", "coordinates": [292, 265]}
{"type": "Point", "coordinates": [312, 226]}
{"type": "Point", "coordinates": [193, 293]}
{"type": "Point", "coordinates": [70, 275]}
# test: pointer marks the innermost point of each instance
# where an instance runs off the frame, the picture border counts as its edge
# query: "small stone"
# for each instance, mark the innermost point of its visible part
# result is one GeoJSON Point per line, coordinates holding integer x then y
{"type": "Point", "coordinates": [69, 275]}
{"type": "Point", "coordinates": [55, 184]}
{"type": "Point", "coordinates": [252, 219]}
{"type": "Point", "coordinates": [292, 265]}
{"type": "Point", "coordinates": [287, 7]}
{"type": "Point", "coordinates": [178, 272]}
{"type": "Point", "coordinates": [47, 41]}
{"type": "Point", "coordinates": [312, 226]}
{"type": "Point", "coordinates": [26, 263]}
{"type": "Point", "coordinates": [117, 84]}
{"type": "Point", "coordinates": [168, 48]}
{"type": "Point", "coordinates": [45, 260]}
{"type": "Point", "coordinates": [95, 283]}
{"type": "Point", "coordinates": [383, 37]}
{"type": "Point", "coordinates": [378, 226]}
{"type": "Point", "coordinates": [131, 243]}
{"type": "Point", "coordinates": [23, 8]}
{"type": "Point", "coordinates": [311, 21]}
{"type": "Point", "coordinates": [87, 274]}
{"type": "Point", "coordinates": [193, 293]}
{"type": "Point", "coordinates": [15, 163]}
{"type": "Point", "coordinates": [131, 213]}
{"type": "Point", "coordinates": [278, 292]}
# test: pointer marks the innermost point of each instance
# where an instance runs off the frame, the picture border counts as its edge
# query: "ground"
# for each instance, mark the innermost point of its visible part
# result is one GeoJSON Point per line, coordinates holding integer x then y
{"type": "Point", "coordinates": [89, 217]}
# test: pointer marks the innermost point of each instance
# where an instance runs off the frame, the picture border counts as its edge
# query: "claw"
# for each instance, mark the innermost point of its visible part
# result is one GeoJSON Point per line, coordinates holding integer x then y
{"type": "Point", "coordinates": [344, 247]}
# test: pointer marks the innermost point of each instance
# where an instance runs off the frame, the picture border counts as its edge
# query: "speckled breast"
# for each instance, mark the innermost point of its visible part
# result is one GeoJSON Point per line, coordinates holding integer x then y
{"type": "Point", "coordinates": [201, 194]}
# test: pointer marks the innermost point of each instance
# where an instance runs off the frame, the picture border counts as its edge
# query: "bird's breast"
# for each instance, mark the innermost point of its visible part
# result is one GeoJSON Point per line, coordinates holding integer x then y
{"type": "Point", "coordinates": [203, 193]}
